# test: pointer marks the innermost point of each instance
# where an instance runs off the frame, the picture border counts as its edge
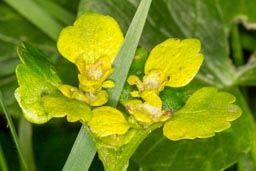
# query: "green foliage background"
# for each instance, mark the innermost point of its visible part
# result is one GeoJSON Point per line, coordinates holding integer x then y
{"type": "Point", "coordinates": [226, 29]}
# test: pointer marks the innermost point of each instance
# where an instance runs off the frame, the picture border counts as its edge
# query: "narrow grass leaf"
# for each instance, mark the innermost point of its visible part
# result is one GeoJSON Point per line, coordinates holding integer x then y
{"type": "Point", "coordinates": [82, 153]}
{"type": "Point", "coordinates": [13, 132]}
{"type": "Point", "coordinates": [36, 15]}
{"type": "Point", "coordinates": [84, 149]}
{"type": "Point", "coordinates": [125, 56]}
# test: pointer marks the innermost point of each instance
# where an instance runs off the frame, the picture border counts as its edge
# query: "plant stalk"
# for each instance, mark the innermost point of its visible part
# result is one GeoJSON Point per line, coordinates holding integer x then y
{"type": "Point", "coordinates": [118, 159]}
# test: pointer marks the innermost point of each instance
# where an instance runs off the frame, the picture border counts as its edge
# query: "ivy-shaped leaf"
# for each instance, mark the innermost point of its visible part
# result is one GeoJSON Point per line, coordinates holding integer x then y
{"type": "Point", "coordinates": [207, 111]}
{"type": "Point", "coordinates": [37, 78]}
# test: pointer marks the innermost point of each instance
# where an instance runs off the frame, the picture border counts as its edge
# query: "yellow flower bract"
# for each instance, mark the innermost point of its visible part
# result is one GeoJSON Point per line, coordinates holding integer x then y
{"type": "Point", "coordinates": [107, 121]}
{"type": "Point", "coordinates": [179, 60]}
{"type": "Point", "coordinates": [91, 37]}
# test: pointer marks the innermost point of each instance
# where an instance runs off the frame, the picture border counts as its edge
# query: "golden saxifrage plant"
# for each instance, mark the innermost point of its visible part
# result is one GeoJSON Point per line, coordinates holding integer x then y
{"type": "Point", "coordinates": [92, 44]}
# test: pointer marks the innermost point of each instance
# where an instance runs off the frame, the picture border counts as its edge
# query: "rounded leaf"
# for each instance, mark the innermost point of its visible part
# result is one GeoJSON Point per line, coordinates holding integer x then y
{"type": "Point", "coordinates": [37, 78]}
{"type": "Point", "coordinates": [61, 106]}
{"type": "Point", "coordinates": [207, 111]}
{"type": "Point", "coordinates": [108, 121]}
{"type": "Point", "coordinates": [179, 60]}
{"type": "Point", "coordinates": [92, 36]}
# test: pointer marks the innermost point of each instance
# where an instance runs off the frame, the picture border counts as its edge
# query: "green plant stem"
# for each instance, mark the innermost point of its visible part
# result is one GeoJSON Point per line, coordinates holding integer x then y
{"type": "Point", "coordinates": [36, 15]}
{"type": "Point", "coordinates": [237, 51]}
{"type": "Point", "coordinates": [82, 153]}
{"type": "Point", "coordinates": [3, 164]}
{"type": "Point", "coordinates": [120, 160]}
{"type": "Point", "coordinates": [14, 134]}
{"type": "Point", "coordinates": [25, 140]}
{"type": "Point", "coordinates": [57, 11]}
{"type": "Point", "coordinates": [236, 46]}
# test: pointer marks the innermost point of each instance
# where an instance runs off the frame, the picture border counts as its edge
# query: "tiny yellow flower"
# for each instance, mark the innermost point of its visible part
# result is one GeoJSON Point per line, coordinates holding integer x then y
{"type": "Point", "coordinates": [92, 76]}
{"type": "Point", "coordinates": [94, 99]}
{"type": "Point", "coordinates": [146, 113]}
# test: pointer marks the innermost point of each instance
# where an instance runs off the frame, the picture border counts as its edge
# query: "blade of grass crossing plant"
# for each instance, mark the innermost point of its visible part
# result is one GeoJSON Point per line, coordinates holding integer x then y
{"type": "Point", "coordinates": [125, 56]}
{"type": "Point", "coordinates": [3, 164]}
{"type": "Point", "coordinates": [80, 159]}
{"type": "Point", "coordinates": [36, 15]}
{"type": "Point", "coordinates": [82, 153]}
{"type": "Point", "coordinates": [14, 134]}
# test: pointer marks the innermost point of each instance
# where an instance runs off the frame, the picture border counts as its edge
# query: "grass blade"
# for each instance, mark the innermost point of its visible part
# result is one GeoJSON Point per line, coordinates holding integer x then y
{"type": "Point", "coordinates": [82, 153]}
{"type": "Point", "coordinates": [122, 65]}
{"type": "Point", "coordinates": [3, 164]}
{"type": "Point", "coordinates": [14, 134]}
{"type": "Point", "coordinates": [125, 56]}
{"type": "Point", "coordinates": [36, 15]}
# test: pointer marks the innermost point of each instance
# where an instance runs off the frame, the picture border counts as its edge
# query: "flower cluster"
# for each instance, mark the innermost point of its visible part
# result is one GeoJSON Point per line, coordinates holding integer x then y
{"type": "Point", "coordinates": [172, 63]}
{"type": "Point", "coordinates": [92, 43]}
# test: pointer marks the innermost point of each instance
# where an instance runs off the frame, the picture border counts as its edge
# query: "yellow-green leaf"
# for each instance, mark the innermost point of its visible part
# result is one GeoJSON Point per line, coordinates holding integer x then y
{"type": "Point", "coordinates": [207, 111]}
{"type": "Point", "coordinates": [107, 121]}
{"type": "Point", "coordinates": [92, 36]}
{"type": "Point", "coordinates": [37, 78]}
{"type": "Point", "coordinates": [179, 60]}
{"type": "Point", "coordinates": [61, 106]}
